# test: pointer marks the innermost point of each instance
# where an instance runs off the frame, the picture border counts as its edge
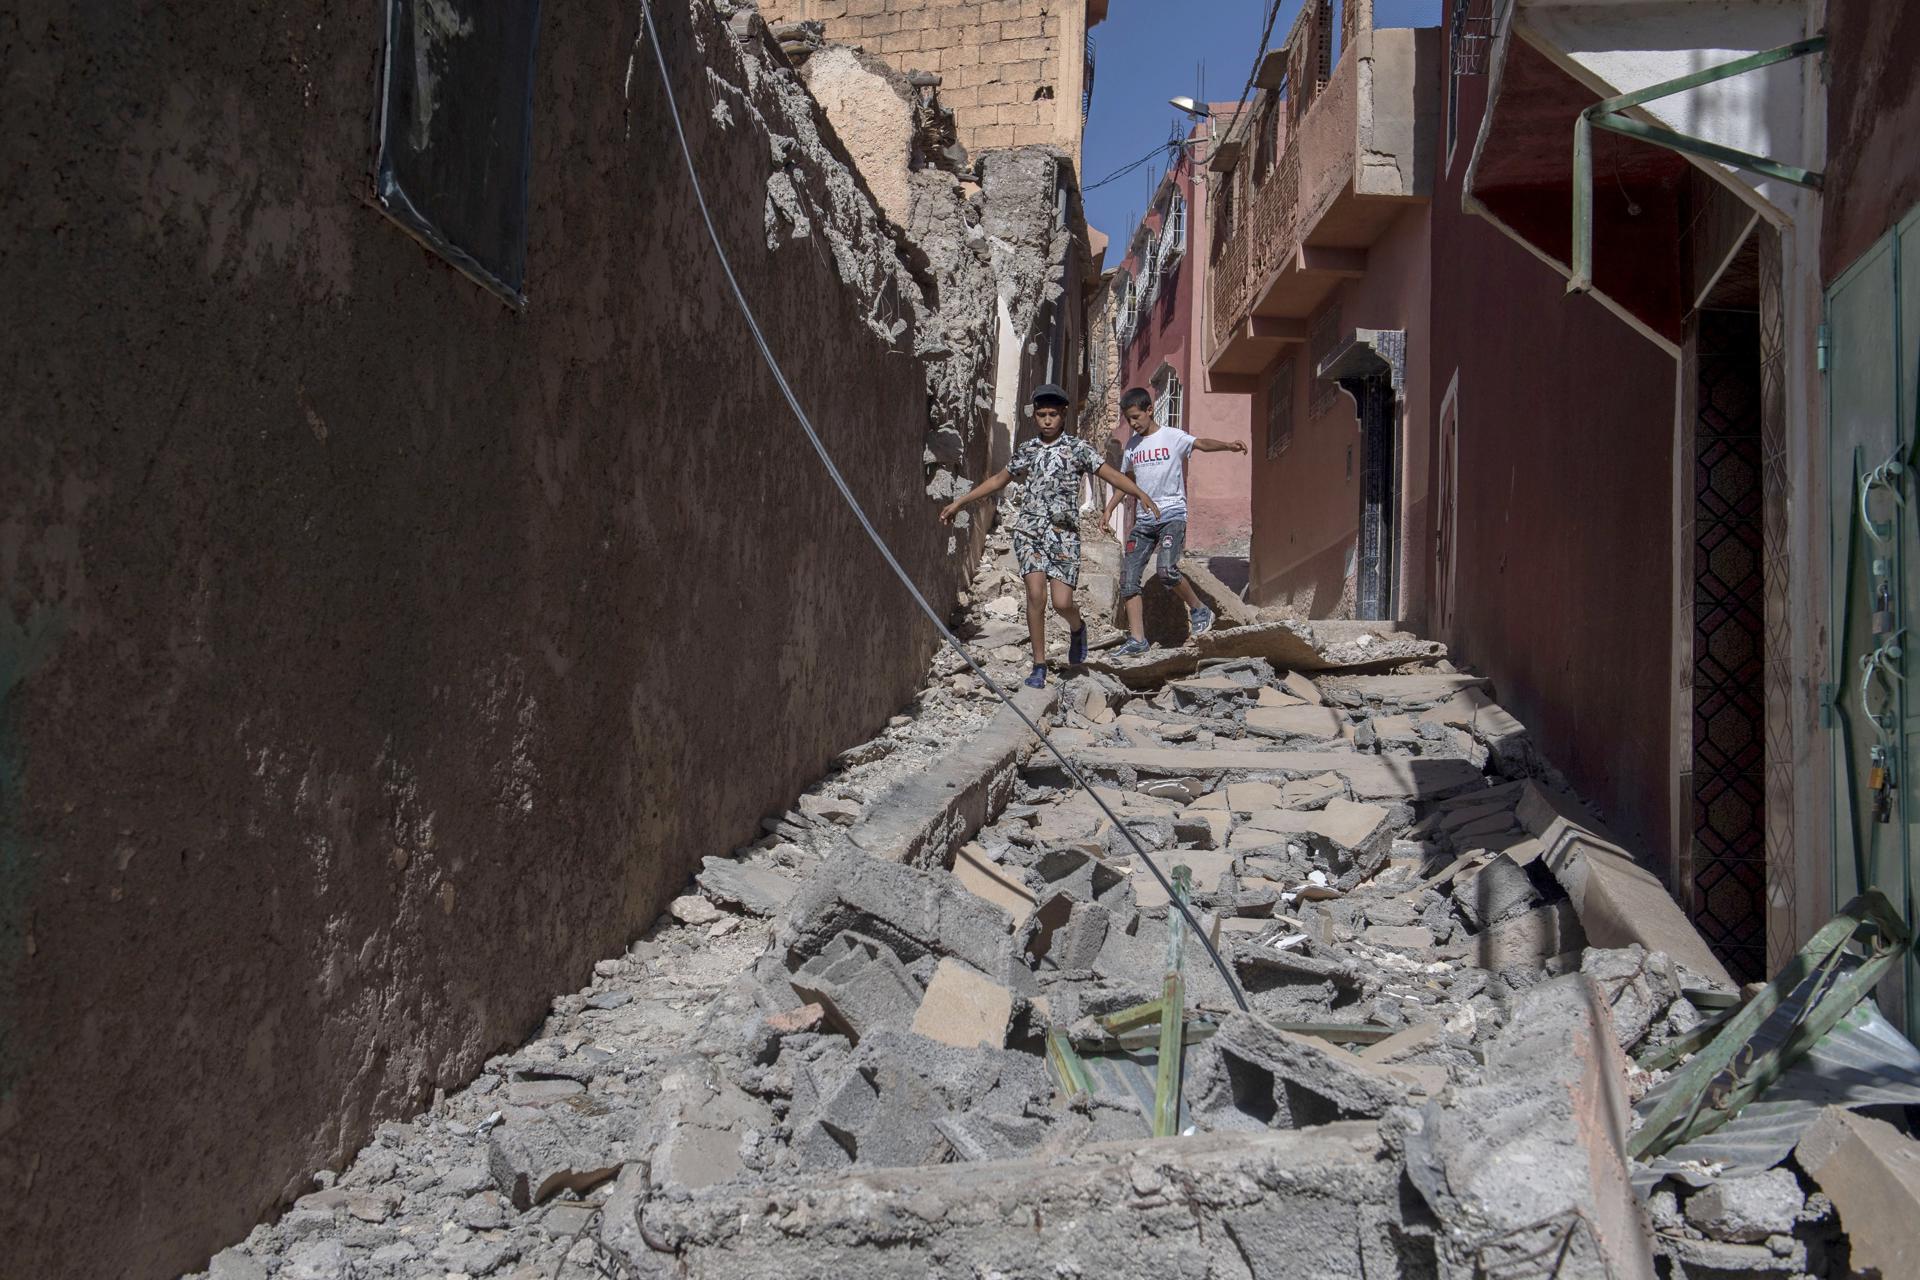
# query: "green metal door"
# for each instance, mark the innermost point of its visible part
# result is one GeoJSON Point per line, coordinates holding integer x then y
{"type": "Point", "coordinates": [1873, 328]}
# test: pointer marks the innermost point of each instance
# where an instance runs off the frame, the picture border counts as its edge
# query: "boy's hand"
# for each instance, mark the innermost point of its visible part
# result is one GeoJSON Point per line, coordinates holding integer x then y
{"type": "Point", "coordinates": [1238, 446]}
{"type": "Point", "coordinates": [1153, 508]}
{"type": "Point", "coordinates": [948, 512]}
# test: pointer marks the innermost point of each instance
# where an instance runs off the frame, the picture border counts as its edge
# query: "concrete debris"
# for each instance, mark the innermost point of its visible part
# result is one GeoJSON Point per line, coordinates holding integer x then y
{"type": "Point", "coordinates": [1748, 1210]}
{"type": "Point", "coordinates": [851, 1077]}
{"type": "Point", "coordinates": [1870, 1171]}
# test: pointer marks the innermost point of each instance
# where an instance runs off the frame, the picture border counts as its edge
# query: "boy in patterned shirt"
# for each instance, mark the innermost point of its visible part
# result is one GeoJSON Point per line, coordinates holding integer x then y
{"type": "Point", "coordinates": [1046, 533]}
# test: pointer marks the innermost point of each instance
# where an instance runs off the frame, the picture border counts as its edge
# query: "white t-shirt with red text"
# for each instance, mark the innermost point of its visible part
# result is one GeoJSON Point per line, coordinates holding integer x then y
{"type": "Point", "coordinates": [1158, 464]}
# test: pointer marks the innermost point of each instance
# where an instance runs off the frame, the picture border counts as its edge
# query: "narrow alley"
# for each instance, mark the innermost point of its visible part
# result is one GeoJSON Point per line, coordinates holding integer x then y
{"type": "Point", "coordinates": [973, 639]}
{"type": "Point", "coordinates": [897, 974]}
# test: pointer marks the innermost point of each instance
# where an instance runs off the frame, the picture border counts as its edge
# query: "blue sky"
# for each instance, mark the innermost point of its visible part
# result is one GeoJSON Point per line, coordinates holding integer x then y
{"type": "Point", "coordinates": [1150, 50]}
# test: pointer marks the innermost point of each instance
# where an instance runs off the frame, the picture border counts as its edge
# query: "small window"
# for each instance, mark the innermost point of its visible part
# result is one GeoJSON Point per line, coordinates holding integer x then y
{"type": "Point", "coordinates": [1280, 409]}
{"type": "Point", "coordinates": [1169, 407]}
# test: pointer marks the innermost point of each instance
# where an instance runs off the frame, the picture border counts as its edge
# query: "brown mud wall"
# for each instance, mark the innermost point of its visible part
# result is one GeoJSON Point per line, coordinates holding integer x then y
{"type": "Point", "coordinates": [374, 658]}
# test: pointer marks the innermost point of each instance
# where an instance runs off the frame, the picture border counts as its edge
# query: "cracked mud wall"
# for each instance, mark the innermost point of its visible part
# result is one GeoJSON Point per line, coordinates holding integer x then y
{"type": "Point", "coordinates": [373, 658]}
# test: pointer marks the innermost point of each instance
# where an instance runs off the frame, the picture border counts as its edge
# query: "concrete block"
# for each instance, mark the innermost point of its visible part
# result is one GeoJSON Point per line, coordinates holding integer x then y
{"type": "Point", "coordinates": [1532, 1160]}
{"type": "Point", "coordinates": [964, 1009]}
{"type": "Point", "coordinates": [978, 1135]}
{"type": "Point", "coordinates": [1871, 1172]}
{"type": "Point", "coordinates": [915, 912]}
{"type": "Point", "coordinates": [1301, 687]}
{"type": "Point", "coordinates": [861, 985]}
{"type": "Point", "coordinates": [1312, 793]}
{"type": "Point", "coordinates": [533, 1156]}
{"type": "Point", "coordinates": [1410, 1040]}
{"type": "Point", "coordinates": [885, 1114]}
{"type": "Point", "coordinates": [1496, 891]}
{"type": "Point", "coordinates": [1640, 988]}
{"type": "Point", "coordinates": [1529, 939]}
{"type": "Point", "coordinates": [1285, 1080]}
{"type": "Point", "coordinates": [1748, 1209]}
{"type": "Point", "coordinates": [1272, 697]}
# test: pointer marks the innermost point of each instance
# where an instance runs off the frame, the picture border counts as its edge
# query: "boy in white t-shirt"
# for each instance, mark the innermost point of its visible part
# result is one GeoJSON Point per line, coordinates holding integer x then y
{"type": "Point", "coordinates": [1156, 458]}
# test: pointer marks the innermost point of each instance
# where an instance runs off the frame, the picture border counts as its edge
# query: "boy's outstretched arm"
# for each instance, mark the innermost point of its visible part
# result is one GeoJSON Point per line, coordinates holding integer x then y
{"type": "Point", "coordinates": [1115, 477]}
{"type": "Point", "coordinates": [1206, 444]}
{"type": "Point", "coordinates": [992, 484]}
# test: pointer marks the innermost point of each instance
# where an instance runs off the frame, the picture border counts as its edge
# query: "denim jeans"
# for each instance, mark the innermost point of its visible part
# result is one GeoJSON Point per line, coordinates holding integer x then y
{"type": "Point", "coordinates": [1169, 537]}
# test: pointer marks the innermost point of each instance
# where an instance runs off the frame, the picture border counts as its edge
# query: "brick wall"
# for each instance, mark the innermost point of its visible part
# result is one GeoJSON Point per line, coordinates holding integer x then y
{"type": "Point", "coordinates": [1011, 70]}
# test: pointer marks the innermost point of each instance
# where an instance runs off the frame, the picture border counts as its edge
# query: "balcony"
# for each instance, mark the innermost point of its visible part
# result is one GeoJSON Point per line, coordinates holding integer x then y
{"type": "Point", "coordinates": [1356, 146]}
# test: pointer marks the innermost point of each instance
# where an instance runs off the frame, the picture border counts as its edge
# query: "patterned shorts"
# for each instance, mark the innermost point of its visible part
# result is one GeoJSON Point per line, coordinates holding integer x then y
{"type": "Point", "coordinates": [1050, 550]}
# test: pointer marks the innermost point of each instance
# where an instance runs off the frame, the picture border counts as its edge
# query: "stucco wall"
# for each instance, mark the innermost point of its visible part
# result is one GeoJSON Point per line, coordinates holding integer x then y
{"type": "Point", "coordinates": [1563, 564]}
{"type": "Point", "coordinates": [375, 658]}
{"type": "Point", "coordinates": [1012, 71]}
{"type": "Point", "coordinates": [1873, 116]}
{"type": "Point", "coordinates": [1306, 502]}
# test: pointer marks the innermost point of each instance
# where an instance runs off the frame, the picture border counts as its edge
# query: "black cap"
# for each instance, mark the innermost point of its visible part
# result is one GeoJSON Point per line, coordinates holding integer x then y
{"type": "Point", "coordinates": [1047, 391]}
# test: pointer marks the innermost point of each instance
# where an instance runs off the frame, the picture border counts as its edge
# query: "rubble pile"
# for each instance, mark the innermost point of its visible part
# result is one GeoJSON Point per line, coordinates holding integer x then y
{"type": "Point", "coordinates": [821, 1062]}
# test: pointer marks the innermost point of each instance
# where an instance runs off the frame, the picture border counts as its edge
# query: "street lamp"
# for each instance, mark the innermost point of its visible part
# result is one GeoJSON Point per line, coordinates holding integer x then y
{"type": "Point", "coordinates": [1190, 107]}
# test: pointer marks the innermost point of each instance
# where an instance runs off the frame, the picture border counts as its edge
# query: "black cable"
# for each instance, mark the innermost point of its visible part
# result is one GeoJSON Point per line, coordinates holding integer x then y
{"type": "Point", "coordinates": [1123, 171]}
{"type": "Point", "coordinates": [873, 534]}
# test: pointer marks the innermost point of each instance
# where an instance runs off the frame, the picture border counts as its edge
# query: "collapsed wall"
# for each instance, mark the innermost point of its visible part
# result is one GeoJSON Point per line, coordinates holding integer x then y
{"type": "Point", "coordinates": [374, 658]}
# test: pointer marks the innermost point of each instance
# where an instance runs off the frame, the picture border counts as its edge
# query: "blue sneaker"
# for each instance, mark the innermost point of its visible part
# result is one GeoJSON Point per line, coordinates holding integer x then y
{"type": "Point", "coordinates": [1200, 620]}
{"type": "Point", "coordinates": [1077, 645]}
{"type": "Point", "coordinates": [1037, 678]}
{"type": "Point", "coordinates": [1134, 648]}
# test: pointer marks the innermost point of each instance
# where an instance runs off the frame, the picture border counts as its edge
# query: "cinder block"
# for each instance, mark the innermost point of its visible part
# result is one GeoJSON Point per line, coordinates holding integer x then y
{"type": "Point", "coordinates": [1871, 1172]}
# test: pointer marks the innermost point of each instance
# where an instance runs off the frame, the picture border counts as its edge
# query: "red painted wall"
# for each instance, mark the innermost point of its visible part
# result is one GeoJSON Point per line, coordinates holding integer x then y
{"type": "Point", "coordinates": [1563, 577]}
{"type": "Point", "coordinates": [1219, 503]}
{"type": "Point", "coordinates": [1873, 116]}
{"type": "Point", "coordinates": [1306, 515]}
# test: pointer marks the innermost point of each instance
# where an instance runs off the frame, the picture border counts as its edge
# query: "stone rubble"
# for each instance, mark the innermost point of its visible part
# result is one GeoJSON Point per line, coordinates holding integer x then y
{"type": "Point", "coordinates": [800, 1068]}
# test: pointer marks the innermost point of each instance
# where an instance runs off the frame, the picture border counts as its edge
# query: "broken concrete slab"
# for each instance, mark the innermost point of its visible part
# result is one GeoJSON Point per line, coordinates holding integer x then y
{"type": "Point", "coordinates": [1286, 1080]}
{"type": "Point", "coordinates": [1301, 721]}
{"type": "Point", "coordinates": [1302, 687]}
{"type": "Point", "coordinates": [1419, 687]}
{"type": "Point", "coordinates": [932, 811]}
{"type": "Point", "coordinates": [1401, 1043]}
{"type": "Point", "coordinates": [759, 891]}
{"type": "Point", "coordinates": [1251, 797]}
{"type": "Point", "coordinates": [1871, 1172]}
{"type": "Point", "coordinates": [691, 908]}
{"type": "Point", "coordinates": [534, 1155]}
{"type": "Point", "coordinates": [1312, 793]}
{"type": "Point", "coordinates": [1349, 823]}
{"type": "Point", "coordinates": [1169, 1207]}
{"type": "Point", "coordinates": [1532, 1161]}
{"type": "Point", "coordinates": [916, 912]}
{"type": "Point", "coordinates": [991, 882]}
{"type": "Point", "coordinates": [1399, 937]}
{"type": "Point", "coordinates": [964, 1009]}
{"type": "Point", "coordinates": [1272, 697]}
{"type": "Point", "coordinates": [1619, 902]}
{"type": "Point", "coordinates": [1369, 777]}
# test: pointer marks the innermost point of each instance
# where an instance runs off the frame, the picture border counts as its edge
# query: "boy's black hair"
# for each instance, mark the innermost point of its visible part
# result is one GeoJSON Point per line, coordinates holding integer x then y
{"type": "Point", "coordinates": [1136, 398]}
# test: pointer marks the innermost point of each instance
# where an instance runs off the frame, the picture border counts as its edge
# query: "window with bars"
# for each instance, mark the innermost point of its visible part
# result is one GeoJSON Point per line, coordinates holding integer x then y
{"type": "Point", "coordinates": [1280, 409]}
{"type": "Point", "coordinates": [1320, 343]}
{"type": "Point", "coordinates": [1173, 235]}
{"type": "Point", "coordinates": [1169, 406]}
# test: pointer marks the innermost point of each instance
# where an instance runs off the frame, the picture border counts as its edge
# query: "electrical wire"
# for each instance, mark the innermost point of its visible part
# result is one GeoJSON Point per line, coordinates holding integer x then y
{"type": "Point", "coordinates": [1124, 170]}
{"type": "Point", "coordinates": [873, 534]}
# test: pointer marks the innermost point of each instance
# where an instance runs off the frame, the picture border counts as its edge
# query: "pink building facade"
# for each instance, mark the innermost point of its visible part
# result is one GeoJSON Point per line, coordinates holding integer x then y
{"type": "Point", "coordinates": [1162, 287]}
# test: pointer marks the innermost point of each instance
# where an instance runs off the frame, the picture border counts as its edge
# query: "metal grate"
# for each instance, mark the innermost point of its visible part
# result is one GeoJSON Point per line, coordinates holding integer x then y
{"type": "Point", "coordinates": [1280, 409]}
{"type": "Point", "coordinates": [1729, 647]}
{"type": "Point", "coordinates": [1472, 36]}
{"type": "Point", "coordinates": [1086, 89]}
